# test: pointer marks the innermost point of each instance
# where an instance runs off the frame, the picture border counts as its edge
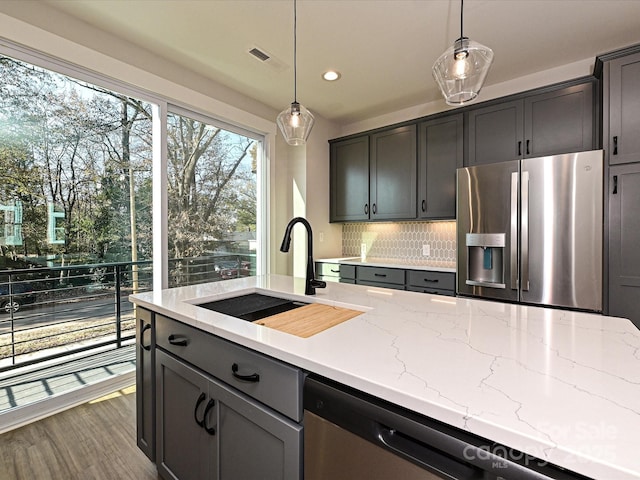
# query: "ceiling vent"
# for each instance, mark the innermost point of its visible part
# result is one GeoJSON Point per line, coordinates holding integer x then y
{"type": "Point", "coordinates": [267, 59]}
{"type": "Point", "coordinates": [259, 54]}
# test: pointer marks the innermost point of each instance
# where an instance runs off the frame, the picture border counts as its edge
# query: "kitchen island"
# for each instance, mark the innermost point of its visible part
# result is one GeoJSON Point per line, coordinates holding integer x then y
{"type": "Point", "coordinates": [558, 385]}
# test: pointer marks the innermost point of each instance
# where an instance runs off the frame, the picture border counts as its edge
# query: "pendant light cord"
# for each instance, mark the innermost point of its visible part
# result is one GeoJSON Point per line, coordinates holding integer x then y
{"type": "Point", "coordinates": [461, 17]}
{"type": "Point", "coordinates": [295, 52]}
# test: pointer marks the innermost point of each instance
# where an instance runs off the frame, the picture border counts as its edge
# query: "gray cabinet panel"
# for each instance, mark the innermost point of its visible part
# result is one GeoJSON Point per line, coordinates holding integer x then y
{"type": "Point", "coordinates": [255, 442]}
{"type": "Point", "coordinates": [559, 121]}
{"type": "Point", "coordinates": [495, 133]}
{"type": "Point", "coordinates": [624, 242]}
{"type": "Point", "coordinates": [185, 449]}
{"type": "Point", "coordinates": [347, 272]}
{"type": "Point", "coordinates": [379, 274]}
{"type": "Point", "coordinates": [554, 122]}
{"type": "Point", "coordinates": [349, 178]}
{"type": "Point", "coordinates": [440, 147]}
{"type": "Point", "coordinates": [145, 382]}
{"type": "Point", "coordinates": [393, 177]}
{"type": "Point", "coordinates": [435, 280]}
{"type": "Point", "coordinates": [279, 386]}
{"type": "Point", "coordinates": [624, 110]}
{"type": "Point", "coordinates": [394, 286]}
{"type": "Point", "coordinates": [432, 291]}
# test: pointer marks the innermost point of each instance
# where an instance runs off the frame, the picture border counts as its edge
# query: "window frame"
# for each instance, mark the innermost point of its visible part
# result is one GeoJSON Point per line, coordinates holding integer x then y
{"type": "Point", "coordinates": [161, 106]}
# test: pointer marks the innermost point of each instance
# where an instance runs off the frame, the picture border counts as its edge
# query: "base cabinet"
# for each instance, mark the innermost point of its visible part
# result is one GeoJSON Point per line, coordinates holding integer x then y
{"type": "Point", "coordinates": [145, 381]}
{"type": "Point", "coordinates": [208, 430]}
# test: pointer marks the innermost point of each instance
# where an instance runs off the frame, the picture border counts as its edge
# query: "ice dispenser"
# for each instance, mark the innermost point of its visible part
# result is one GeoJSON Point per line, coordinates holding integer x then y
{"type": "Point", "coordinates": [485, 255]}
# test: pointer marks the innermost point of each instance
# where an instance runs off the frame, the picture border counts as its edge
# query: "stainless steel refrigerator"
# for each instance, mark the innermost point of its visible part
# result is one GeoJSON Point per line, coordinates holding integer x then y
{"type": "Point", "coordinates": [531, 230]}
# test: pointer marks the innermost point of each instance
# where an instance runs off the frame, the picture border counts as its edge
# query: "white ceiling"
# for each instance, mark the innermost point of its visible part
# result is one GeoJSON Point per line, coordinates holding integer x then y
{"type": "Point", "coordinates": [383, 48]}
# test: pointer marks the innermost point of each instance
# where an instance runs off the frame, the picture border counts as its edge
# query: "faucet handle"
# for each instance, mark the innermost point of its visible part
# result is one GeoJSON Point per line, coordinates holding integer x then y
{"type": "Point", "coordinates": [318, 283]}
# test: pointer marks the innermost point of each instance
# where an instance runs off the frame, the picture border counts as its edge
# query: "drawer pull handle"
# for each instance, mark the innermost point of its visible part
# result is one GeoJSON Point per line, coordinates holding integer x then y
{"type": "Point", "coordinates": [424, 205]}
{"type": "Point", "coordinates": [210, 405]}
{"type": "Point", "coordinates": [178, 340]}
{"type": "Point", "coordinates": [195, 410]}
{"type": "Point", "coordinates": [146, 327]}
{"type": "Point", "coordinates": [380, 274]}
{"type": "Point", "coordinates": [374, 209]}
{"type": "Point", "coordinates": [528, 153]}
{"type": "Point", "coordinates": [431, 280]}
{"type": "Point", "coordinates": [254, 377]}
{"type": "Point", "coordinates": [615, 145]}
{"type": "Point", "coordinates": [366, 209]}
{"type": "Point", "coordinates": [335, 271]}
{"type": "Point", "coordinates": [520, 148]}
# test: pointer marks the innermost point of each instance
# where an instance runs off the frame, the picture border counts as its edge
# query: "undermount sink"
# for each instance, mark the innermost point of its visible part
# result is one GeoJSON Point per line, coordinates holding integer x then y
{"type": "Point", "coordinates": [253, 306]}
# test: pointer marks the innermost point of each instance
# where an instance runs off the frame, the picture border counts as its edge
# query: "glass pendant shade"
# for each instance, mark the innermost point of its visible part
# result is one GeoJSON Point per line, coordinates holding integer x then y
{"type": "Point", "coordinates": [461, 70]}
{"type": "Point", "coordinates": [295, 123]}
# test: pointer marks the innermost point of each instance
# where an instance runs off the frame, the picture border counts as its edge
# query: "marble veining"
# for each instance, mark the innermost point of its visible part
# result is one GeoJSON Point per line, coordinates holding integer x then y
{"type": "Point", "coordinates": [559, 385]}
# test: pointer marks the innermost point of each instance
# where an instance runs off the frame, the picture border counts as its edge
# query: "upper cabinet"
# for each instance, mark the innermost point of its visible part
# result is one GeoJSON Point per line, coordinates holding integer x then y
{"type": "Point", "coordinates": [393, 172]}
{"type": "Point", "coordinates": [440, 153]}
{"type": "Point", "coordinates": [350, 180]}
{"type": "Point", "coordinates": [624, 110]}
{"type": "Point", "coordinates": [556, 121]}
{"type": "Point", "coordinates": [374, 177]}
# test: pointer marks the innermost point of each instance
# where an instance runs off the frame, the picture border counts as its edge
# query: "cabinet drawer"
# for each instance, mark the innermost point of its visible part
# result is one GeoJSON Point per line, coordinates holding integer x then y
{"type": "Point", "coordinates": [395, 286]}
{"type": "Point", "coordinates": [438, 280]}
{"type": "Point", "coordinates": [382, 275]}
{"type": "Point", "coordinates": [327, 269]}
{"type": "Point", "coordinates": [276, 384]}
{"type": "Point", "coordinates": [347, 271]}
{"type": "Point", "coordinates": [433, 291]}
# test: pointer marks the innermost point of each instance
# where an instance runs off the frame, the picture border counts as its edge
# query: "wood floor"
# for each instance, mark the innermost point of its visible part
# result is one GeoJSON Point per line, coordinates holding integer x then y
{"type": "Point", "coordinates": [94, 441]}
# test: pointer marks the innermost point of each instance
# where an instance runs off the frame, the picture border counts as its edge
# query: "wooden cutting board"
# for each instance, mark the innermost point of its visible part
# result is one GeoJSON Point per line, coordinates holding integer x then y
{"type": "Point", "coordinates": [308, 320]}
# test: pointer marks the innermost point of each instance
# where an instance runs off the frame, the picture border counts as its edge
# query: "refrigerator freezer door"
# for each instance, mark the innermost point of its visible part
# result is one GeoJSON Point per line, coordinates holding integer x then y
{"type": "Point", "coordinates": [485, 211]}
{"type": "Point", "coordinates": [561, 205]}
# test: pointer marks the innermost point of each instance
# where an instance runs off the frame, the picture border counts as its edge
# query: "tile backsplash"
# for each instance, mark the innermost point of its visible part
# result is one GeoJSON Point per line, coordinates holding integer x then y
{"type": "Point", "coordinates": [401, 240]}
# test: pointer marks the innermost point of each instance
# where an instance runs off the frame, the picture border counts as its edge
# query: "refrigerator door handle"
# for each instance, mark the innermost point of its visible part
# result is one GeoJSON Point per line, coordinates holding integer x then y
{"type": "Point", "coordinates": [513, 243]}
{"type": "Point", "coordinates": [524, 233]}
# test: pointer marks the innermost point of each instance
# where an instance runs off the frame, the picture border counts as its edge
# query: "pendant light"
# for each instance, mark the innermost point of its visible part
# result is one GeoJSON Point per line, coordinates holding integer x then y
{"type": "Point", "coordinates": [461, 70]}
{"type": "Point", "coordinates": [295, 122]}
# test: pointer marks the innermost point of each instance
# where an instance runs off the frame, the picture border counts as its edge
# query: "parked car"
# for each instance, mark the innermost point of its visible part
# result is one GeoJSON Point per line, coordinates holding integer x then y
{"type": "Point", "coordinates": [21, 294]}
{"type": "Point", "coordinates": [231, 270]}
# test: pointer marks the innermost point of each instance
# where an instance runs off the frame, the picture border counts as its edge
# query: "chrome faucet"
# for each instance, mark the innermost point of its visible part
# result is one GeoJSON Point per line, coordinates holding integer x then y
{"type": "Point", "coordinates": [311, 283]}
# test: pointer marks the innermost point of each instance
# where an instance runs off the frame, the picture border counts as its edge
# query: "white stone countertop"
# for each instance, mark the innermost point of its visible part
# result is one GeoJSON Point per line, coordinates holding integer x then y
{"type": "Point", "coordinates": [429, 265]}
{"type": "Point", "coordinates": [562, 386]}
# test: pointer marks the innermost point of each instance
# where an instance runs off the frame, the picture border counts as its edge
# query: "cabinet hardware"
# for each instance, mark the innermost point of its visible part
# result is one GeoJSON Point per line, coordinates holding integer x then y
{"type": "Point", "coordinates": [615, 145]}
{"type": "Point", "coordinates": [430, 280]}
{"type": "Point", "coordinates": [146, 327]}
{"type": "Point", "coordinates": [615, 185]}
{"type": "Point", "coordinates": [254, 377]}
{"type": "Point", "coordinates": [528, 147]}
{"type": "Point", "coordinates": [195, 410]}
{"type": "Point", "coordinates": [210, 405]}
{"type": "Point", "coordinates": [366, 209]}
{"type": "Point", "coordinates": [380, 274]}
{"type": "Point", "coordinates": [519, 148]}
{"type": "Point", "coordinates": [178, 340]}
{"type": "Point", "coordinates": [424, 205]}
{"type": "Point", "coordinates": [374, 209]}
{"type": "Point", "coordinates": [335, 271]}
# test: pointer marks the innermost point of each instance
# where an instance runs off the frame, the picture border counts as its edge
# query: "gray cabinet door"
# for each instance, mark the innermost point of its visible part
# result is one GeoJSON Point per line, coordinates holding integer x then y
{"type": "Point", "coordinates": [495, 133]}
{"type": "Point", "coordinates": [349, 180]}
{"type": "Point", "coordinates": [440, 147]}
{"type": "Point", "coordinates": [254, 441]}
{"type": "Point", "coordinates": [393, 176]}
{"type": "Point", "coordinates": [624, 242]}
{"type": "Point", "coordinates": [185, 450]}
{"type": "Point", "coordinates": [145, 383]}
{"type": "Point", "coordinates": [624, 110]}
{"type": "Point", "coordinates": [560, 121]}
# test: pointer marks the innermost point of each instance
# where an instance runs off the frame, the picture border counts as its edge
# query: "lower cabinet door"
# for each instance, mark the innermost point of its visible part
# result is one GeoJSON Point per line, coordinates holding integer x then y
{"type": "Point", "coordinates": [255, 441]}
{"type": "Point", "coordinates": [184, 449]}
{"type": "Point", "coordinates": [209, 430]}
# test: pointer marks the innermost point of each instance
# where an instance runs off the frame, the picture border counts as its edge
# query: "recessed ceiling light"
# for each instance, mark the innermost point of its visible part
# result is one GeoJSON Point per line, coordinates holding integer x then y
{"type": "Point", "coordinates": [331, 76]}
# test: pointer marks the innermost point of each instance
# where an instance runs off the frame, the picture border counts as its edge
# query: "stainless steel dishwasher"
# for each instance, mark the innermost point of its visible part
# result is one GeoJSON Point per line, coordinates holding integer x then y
{"type": "Point", "coordinates": [349, 435]}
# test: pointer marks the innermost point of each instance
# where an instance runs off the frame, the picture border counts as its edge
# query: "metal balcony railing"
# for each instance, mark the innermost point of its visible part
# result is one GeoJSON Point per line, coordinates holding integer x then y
{"type": "Point", "coordinates": [49, 313]}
